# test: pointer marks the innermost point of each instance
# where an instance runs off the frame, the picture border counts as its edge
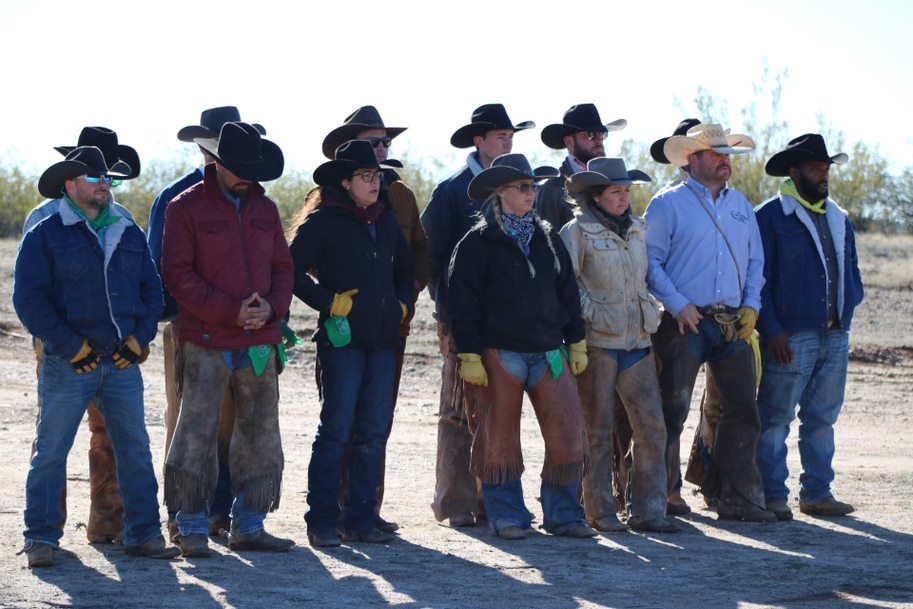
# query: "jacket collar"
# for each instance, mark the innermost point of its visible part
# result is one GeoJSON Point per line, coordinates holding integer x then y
{"type": "Point", "coordinates": [591, 225]}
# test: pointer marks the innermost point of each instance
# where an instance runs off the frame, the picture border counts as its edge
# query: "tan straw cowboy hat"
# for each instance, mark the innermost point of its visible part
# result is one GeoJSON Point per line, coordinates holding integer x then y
{"type": "Point", "coordinates": [710, 136]}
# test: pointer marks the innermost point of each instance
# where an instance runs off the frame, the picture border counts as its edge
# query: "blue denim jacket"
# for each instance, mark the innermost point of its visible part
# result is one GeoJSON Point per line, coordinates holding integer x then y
{"type": "Point", "coordinates": [795, 289]}
{"type": "Point", "coordinates": [67, 287]}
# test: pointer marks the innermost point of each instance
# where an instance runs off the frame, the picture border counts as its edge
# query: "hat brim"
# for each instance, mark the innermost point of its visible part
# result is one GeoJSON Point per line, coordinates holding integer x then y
{"type": "Point", "coordinates": [779, 164]}
{"type": "Point", "coordinates": [125, 154]}
{"type": "Point", "coordinates": [553, 135]}
{"type": "Point", "coordinates": [340, 135]}
{"type": "Point", "coordinates": [334, 172]}
{"type": "Point", "coordinates": [267, 168]}
{"type": "Point", "coordinates": [462, 137]}
{"type": "Point", "coordinates": [677, 148]}
{"type": "Point", "coordinates": [585, 180]}
{"type": "Point", "coordinates": [51, 182]}
{"type": "Point", "coordinates": [493, 178]}
{"type": "Point", "coordinates": [656, 151]}
{"type": "Point", "coordinates": [191, 133]}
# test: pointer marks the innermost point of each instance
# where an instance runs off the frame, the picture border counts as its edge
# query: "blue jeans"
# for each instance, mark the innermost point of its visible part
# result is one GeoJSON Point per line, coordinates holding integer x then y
{"type": "Point", "coordinates": [504, 505]}
{"type": "Point", "coordinates": [356, 410]}
{"type": "Point", "coordinates": [243, 521]}
{"type": "Point", "coordinates": [815, 381]}
{"type": "Point", "coordinates": [64, 397]}
{"type": "Point", "coordinates": [561, 508]}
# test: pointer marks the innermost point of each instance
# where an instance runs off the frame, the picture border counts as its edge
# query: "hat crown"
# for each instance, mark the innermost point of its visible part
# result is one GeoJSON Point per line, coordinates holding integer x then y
{"type": "Point", "coordinates": [686, 125]}
{"type": "Point", "coordinates": [241, 142]}
{"type": "Point", "coordinates": [810, 142]}
{"type": "Point", "coordinates": [495, 114]}
{"type": "Point", "coordinates": [102, 138]}
{"type": "Point", "coordinates": [610, 168]}
{"type": "Point", "coordinates": [215, 118]}
{"type": "Point", "coordinates": [359, 152]}
{"type": "Point", "coordinates": [366, 115]}
{"type": "Point", "coordinates": [709, 134]}
{"type": "Point", "coordinates": [90, 156]}
{"type": "Point", "coordinates": [515, 161]}
{"type": "Point", "coordinates": [585, 116]}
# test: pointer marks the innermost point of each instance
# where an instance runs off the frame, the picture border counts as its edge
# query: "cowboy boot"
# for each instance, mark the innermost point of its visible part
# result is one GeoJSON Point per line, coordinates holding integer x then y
{"type": "Point", "coordinates": [105, 511]}
{"type": "Point", "coordinates": [638, 389]}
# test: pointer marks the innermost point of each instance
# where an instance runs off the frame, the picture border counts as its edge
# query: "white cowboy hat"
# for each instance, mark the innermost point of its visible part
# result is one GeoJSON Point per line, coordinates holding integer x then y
{"type": "Point", "coordinates": [710, 136]}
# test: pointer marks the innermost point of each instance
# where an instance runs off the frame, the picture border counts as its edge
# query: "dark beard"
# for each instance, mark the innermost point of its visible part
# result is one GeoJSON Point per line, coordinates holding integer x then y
{"type": "Point", "coordinates": [811, 191]}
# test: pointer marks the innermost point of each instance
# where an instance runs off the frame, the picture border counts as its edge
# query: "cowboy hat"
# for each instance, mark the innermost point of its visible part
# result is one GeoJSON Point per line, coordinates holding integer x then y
{"type": "Point", "coordinates": [80, 161]}
{"type": "Point", "coordinates": [505, 169]}
{"type": "Point", "coordinates": [241, 150]}
{"type": "Point", "coordinates": [582, 117]}
{"type": "Point", "coordinates": [710, 136]}
{"type": "Point", "coordinates": [808, 147]}
{"type": "Point", "coordinates": [211, 122]}
{"type": "Point", "coordinates": [352, 155]}
{"type": "Point", "coordinates": [106, 140]}
{"type": "Point", "coordinates": [603, 171]}
{"type": "Point", "coordinates": [366, 117]}
{"type": "Point", "coordinates": [485, 118]}
{"type": "Point", "coordinates": [656, 150]}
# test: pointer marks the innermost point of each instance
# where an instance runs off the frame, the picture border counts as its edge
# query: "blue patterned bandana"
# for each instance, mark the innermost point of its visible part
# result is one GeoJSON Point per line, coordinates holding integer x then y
{"type": "Point", "coordinates": [520, 229]}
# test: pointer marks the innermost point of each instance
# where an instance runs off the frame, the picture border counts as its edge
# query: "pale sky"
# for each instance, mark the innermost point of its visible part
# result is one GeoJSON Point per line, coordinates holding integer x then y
{"type": "Point", "coordinates": [146, 69]}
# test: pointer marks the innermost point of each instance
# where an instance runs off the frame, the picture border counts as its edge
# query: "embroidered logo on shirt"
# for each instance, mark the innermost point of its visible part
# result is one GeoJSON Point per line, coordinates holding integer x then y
{"type": "Point", "coordinates": [739, 216]}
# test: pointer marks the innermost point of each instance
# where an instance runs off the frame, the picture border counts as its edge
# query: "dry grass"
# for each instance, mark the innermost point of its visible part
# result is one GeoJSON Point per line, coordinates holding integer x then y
{"type": "Point", "coordinates": [886, 261]}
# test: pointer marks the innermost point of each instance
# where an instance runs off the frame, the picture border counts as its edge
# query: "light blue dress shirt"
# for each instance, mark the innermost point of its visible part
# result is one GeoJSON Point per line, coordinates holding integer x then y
{"type": "Point", "coordinates": [688, 258]}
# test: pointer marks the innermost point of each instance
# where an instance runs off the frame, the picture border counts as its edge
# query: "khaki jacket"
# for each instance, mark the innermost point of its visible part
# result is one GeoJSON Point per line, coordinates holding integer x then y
{"type": "Point", "coordinates": [612, 276]}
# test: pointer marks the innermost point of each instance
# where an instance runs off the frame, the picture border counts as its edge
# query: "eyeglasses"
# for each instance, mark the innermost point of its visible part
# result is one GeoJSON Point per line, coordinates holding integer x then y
{"type": "Point", "coordinates": [100, 179]}
{"type": "Point", "coordinates": [592, 136]}
{"type": "Point", "coordinates": [524, 188]}
{"type": "Point", "coordinates": [377, 141]}
{"type": "Point", "coordinates": [368, 176]}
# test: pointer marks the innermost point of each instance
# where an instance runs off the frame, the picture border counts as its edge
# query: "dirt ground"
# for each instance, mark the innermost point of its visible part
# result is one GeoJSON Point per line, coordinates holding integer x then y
{"type": "Point", "coordinates": [862, 561]}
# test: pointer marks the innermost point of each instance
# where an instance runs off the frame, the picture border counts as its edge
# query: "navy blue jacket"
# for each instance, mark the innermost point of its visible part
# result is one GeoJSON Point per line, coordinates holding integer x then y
{"type": "Point", "coordinates": [794, 295]}
{"type": "Point", "coordinates": [449, 215]}
{"type": "Point", "coordinates": [68, 289]}
{"type": "Point", "coordinates": [156, 230]}
{"type": "Point", "coordinates": [340, 251]}
{"type": "Point", "coordinates": [497, 303]}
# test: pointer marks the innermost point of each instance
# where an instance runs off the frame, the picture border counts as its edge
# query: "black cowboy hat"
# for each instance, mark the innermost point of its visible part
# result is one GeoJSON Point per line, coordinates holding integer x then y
{"type": "Point", "coordinates": [79, 161]}
{"type": "Point", "coordinates": [366, 117]}
{"type": "Point", "coordinates": [211, 122]}
{"type": "Point", "coordinates": [485, 118]}
{"type": "Point", "coordinates": [656, 150]}
{"type": "Point", "coordinates": [505, 169]}
{"type": "Point", "coordinates": [106, 140]}
{"type": "Point", "coordinates": [582, 117]}
{"type": "Point", "coordinates": [603, 171]}
{"type": "Point", "coordinates": [808, 147]}
{"type": "Point", "coordinates": [241, 150]}
{"type": "Point", "coordinates": [352, 155]}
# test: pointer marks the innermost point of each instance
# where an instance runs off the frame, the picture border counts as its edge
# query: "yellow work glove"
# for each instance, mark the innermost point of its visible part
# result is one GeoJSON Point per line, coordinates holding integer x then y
{"type": "Point", "coordinates": [342, 303]}
{"type": "Point", "coordinates": [129, 353]}
{"type": "Point", "coordinates": [86, 360]}
{"type": "Point", "coordinates": [577, 354]}
{"type": "Point", "coordinates": [471, 369]}
{"type": "Point", "coordinates": [748, 317]}
{"type": "Point", "coordinates": [405, 312]}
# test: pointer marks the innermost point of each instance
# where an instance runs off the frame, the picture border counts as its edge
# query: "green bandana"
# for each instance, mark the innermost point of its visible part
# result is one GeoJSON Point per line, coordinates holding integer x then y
{"type": "Point", "coordinates": [103, 219]}
{"type": "Point", "coordinates": [788, 188]}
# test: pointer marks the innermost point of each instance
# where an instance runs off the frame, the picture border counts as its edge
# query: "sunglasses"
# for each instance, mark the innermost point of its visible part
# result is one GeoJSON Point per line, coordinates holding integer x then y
{"type": "Point", "coordinates": [377, 141]}
{"type": "Point", "coordinates": [101, 179]}
{"type": "Point", "coordinates": [592, 136]}
{"type": "Point", "coordinates": [368, 176]}
{"type": "Point", "coordinates": [524, 188]}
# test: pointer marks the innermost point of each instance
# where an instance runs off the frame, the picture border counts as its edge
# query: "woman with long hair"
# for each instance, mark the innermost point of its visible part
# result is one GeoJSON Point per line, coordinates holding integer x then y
{"type": "Point", "coordinates": [352, 265]}
{"type": "Point", "coordinates": [517, 327]}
